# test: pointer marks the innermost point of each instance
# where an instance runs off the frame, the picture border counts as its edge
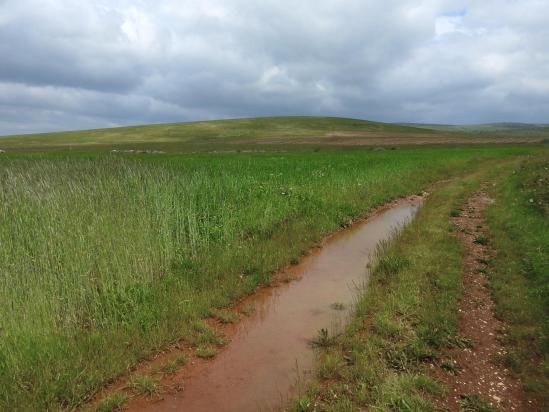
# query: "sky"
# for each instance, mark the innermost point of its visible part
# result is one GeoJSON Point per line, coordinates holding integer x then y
{"type": "Point", "coordinates": [73, 64]}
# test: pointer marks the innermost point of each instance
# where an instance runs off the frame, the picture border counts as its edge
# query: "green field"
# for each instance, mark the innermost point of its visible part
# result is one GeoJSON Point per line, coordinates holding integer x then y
{"type": "Point", "coordinates": [106, 258]}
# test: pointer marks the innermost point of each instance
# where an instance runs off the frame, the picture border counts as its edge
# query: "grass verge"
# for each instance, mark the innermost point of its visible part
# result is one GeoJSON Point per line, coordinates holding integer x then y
{"type": "Point", "coordinates": [519, 275]}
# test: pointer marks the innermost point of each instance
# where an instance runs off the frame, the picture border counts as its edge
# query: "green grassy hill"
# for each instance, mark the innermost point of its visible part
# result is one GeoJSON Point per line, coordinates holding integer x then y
{"type": "Point", "coordinates": [248, 134]}
{"type": "Point", "coordinates": [204, 132]}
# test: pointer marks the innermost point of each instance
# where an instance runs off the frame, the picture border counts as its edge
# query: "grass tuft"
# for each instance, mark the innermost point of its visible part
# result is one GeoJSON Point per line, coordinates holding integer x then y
{"type": "Point", "coordinates": [144, 385]}
{"type": "Point", "coordinates": [225, 316]}
{"type": "Point", "coordinates": [323, 339]}
{"type": "Point", "coordinates": [481, 240]}
{"type": "Point", "coordinates": [112, 402]}
{"type": "Point", "coordinates": [205, 351]}
{"type": "Point", "coordinates": [171, 366]}
{"type": "Point", "coordinates": [473, 403]}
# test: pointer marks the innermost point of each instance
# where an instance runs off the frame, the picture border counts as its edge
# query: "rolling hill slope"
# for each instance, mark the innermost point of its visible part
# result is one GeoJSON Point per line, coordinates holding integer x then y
{"type": "Point", "coordinates": [242, 134]}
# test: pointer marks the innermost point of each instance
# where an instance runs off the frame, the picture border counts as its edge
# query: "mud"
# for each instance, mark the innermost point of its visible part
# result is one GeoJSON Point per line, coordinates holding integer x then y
{"type": "Point", "coordinates": [270, 356]}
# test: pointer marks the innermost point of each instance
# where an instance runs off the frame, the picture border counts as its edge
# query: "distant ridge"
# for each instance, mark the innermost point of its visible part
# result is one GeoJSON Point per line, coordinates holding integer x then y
{"type": "Point", "coordinates": [212, 131]}
{"type": "Point", "coordinates": [497, 125]}
{"type": "Point", "coordinates": [259, 133]}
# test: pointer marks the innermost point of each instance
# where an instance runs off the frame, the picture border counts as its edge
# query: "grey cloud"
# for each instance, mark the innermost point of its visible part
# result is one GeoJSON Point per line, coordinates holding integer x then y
{"type": "Point", "coordinates": [68, 64]}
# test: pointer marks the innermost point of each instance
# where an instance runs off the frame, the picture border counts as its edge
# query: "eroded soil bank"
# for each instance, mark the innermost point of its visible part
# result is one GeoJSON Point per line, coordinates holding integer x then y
{"type": "Point", "coordinates": [270, 354]}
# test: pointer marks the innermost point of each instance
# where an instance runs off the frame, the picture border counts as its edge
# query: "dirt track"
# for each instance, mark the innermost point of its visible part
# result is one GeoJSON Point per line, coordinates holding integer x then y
{"type": "Point", "coordinates": [471, 371]}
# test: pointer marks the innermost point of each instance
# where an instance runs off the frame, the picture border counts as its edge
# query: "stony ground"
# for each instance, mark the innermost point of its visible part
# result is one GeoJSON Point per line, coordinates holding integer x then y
{"type": "Point", "coordinates": [474, 379]}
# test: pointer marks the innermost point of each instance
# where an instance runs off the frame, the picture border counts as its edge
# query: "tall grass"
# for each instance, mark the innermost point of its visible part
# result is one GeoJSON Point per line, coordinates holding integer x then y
{"type": "Point", "coordinates": [105, 259]}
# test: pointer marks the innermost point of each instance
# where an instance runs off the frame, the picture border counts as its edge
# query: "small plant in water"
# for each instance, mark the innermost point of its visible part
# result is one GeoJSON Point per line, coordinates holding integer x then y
{"type": "Point", "coordinates": [323, 339]}
{"type": "Point", "coordinates": [205, 352]}
{"type": "Point", "coordinates": [337, 306]}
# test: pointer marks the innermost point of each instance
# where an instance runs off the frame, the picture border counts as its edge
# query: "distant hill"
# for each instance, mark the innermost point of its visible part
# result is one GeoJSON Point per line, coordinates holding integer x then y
{"type": "Point", "coordinates": [503, 128]}
{"type": "Point", "coordinates": [209, 132]}
{"type": "Point", "coordinates": [245, 134]}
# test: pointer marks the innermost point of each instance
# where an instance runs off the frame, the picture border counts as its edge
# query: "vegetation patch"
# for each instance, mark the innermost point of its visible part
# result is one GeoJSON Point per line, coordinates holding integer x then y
{"type": "Point", "coordinates": [144, 385]}
{"type": "Point", "coordinates": [473, 403]}
{"type": "Point", "coordinates": [519, 274]}
{"type": "Point", "coordinates": [113, 402]}
{"type": "Point", "coordinates": [205, 351]}
{"type": "Point", "coordinates": [171, 366]}
{"type": "Point", "coordinates": [225, 316]}
{"type": "Point", "coordinates": [323, 339]}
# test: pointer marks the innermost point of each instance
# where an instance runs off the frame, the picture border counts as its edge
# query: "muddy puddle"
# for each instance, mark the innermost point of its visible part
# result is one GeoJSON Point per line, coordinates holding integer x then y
{"type": "Point", "coordinates": [270, 356]}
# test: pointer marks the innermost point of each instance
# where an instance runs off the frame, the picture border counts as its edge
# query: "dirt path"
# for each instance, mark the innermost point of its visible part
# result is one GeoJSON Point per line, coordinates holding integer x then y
{"type": "Point", "coordinates": [473, 379]}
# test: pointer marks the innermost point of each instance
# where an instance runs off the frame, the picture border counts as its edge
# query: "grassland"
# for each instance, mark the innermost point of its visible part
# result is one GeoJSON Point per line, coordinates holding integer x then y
{"type": "Point", "coordinates": [520, 272]}
{"type": "Point", "coordinates": [209, 134]}
{"type": "Point", "coordinates": [268, 133]}
{"type": "Point", "coordinates": [106, 258]}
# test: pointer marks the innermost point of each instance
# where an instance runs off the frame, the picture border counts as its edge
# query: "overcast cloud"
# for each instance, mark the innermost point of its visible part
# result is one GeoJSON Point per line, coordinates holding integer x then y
{"type": "Point", "coordinates": [73, 64]}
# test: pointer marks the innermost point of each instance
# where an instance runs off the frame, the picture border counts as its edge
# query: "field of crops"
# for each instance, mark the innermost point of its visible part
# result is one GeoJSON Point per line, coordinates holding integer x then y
{"type": "Point", "coordinates": [106, 258]}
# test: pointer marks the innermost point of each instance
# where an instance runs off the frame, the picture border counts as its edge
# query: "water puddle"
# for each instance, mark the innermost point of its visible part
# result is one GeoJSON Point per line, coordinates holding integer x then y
{"type": "Point", "coordinates": [270, 354]}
